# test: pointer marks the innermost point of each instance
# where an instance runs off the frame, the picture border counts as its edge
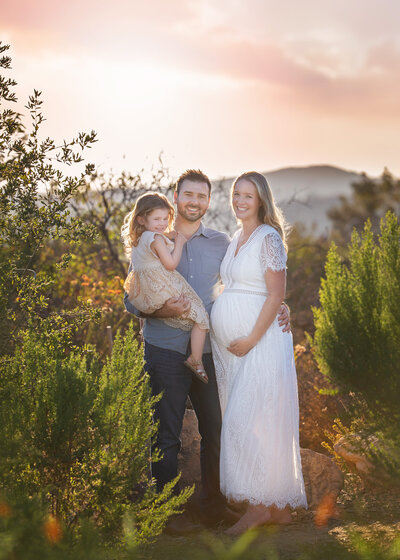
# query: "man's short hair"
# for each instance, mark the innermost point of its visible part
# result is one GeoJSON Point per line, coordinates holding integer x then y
{"type": "Point", "coordinates": [193, 175]}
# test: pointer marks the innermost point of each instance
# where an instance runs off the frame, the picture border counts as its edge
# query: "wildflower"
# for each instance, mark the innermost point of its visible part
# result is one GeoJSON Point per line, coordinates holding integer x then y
{"type": "Point", "coordinates": [299, 349]}
{"type": "Point", "coordinates": [52, 530]}
{"type": "Point", "coordinates": [326, 510]}
{"type": "Point", "coordinates": [5, 510]}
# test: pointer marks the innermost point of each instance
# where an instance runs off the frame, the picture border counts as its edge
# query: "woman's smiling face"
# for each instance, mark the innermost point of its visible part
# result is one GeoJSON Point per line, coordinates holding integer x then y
{"type": "Point", "coordinates": [245, 200]}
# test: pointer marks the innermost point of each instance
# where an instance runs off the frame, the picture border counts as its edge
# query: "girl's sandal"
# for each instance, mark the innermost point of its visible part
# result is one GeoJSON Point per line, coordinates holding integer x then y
{"type": "Point", "coordinates": [198, 370]}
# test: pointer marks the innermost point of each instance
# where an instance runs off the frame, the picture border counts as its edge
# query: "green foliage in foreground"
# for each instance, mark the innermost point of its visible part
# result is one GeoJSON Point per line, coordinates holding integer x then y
{"type": "Point", "coordinates": [30, 537]}
{"type": "Point", "coordinates": [77, 436]}
{"type": "Point", "coordinates": [74, 432]}
{"type": "Point", "coordinates": [358, 549]}
{"type": "Point", "coordinates": [357, 333]}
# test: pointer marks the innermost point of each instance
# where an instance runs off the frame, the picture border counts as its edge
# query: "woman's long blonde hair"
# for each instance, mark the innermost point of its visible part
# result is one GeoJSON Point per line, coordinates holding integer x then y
{"type": "Point", "coordinates": [269, 213]}
{"type": "Point", "coordinates": [131, 230]}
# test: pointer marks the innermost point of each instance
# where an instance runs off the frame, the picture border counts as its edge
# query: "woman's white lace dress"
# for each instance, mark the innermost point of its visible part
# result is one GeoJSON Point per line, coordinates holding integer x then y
{"type": "Point", "coordinates": [260, 454]}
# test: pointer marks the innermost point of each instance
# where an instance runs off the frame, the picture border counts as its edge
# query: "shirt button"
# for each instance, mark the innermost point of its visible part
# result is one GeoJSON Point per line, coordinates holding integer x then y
{"type": "Point", "coordinates": [190, 260]}
{"type": "Point", "coordinates": [191, 276]}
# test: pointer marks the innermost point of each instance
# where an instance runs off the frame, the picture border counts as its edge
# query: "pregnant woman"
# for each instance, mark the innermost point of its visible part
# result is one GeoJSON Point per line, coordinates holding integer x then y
{"type": "Point", "coordinates": [260, 454]}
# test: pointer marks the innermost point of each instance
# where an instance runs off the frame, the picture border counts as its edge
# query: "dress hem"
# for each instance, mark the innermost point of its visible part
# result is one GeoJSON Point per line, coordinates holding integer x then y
{"type": "Point", "coordinates": [294, 503]}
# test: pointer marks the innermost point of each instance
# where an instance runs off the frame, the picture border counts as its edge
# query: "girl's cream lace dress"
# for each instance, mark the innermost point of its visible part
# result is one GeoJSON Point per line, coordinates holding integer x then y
{"type": "Point", "coordinates": [149, 285]}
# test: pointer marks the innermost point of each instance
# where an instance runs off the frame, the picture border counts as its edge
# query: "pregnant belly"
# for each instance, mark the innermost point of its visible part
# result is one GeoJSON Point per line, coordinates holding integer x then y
{"type": "Point", "coordinates": [234, 315]}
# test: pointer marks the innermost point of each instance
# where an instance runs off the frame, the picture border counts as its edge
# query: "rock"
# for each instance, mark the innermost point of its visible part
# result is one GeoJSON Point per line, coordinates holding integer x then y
{"type": "Point", "coordinates": [354, 450]}
{"type": "Point", "coordinates": [322, 476]}
{"type": "Point", "coordinates": [189, 456]}
{"type": "Point", "coordinates": [355, 458]}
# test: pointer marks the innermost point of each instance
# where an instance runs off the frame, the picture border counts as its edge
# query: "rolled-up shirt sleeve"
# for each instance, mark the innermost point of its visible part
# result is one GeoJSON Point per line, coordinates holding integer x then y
{"type": "Point", "coordinates": [130, 307]}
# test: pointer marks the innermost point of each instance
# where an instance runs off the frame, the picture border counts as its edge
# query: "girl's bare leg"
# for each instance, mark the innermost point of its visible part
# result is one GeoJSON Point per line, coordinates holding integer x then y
{"type": "Point", "coordinates": [194, 361]}
{"type": "Point", "coordinates": [197, 340]}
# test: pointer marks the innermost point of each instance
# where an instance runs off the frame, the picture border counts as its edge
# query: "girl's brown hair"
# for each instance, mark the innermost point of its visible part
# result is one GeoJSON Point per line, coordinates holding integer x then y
{"type": "Point", "coordinates": [131, 229]}
{"type": "Point", "coordinates": [269, 213]}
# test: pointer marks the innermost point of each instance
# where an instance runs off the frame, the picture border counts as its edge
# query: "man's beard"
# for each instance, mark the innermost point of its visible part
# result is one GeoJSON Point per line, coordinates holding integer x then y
{"type": "Point", "coordinates": [188, 216]}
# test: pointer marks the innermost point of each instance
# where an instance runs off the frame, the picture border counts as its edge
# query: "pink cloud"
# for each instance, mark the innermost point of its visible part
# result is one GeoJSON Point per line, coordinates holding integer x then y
{"type": "Point", "coordinates": [314, 71]}
{"type": "Point", "coordinates": [385, 57]}
{"type": "Point", "coordinates": [358, 90]}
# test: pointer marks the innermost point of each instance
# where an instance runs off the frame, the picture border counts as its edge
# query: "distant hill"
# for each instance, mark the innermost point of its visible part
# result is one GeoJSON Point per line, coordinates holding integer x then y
{"type": "Point", "coordinates": [304, 194]}
{"type": "Point", "coordinates": [323, 181]}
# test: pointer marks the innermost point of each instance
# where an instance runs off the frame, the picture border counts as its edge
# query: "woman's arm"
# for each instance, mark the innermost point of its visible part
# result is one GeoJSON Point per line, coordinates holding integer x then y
{"type": "Point", "coordinates": [276, 285]}
{"type": "Point", "coordinates": [169, 260]}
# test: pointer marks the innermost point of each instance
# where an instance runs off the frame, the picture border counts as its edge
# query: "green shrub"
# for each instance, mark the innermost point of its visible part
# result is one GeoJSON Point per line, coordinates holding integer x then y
{"type": "Point", "coordinates": [78, 436]}
{"type": "Point", "coordinates": [357, 334]}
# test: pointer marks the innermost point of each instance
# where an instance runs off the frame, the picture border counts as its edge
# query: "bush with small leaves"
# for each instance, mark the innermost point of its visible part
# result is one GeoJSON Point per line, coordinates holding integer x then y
{"type": "Point", "coordinates": [357, 334]}
{"type": "Point", "coordinates": [78, 435]}
{"type": "Point", "coordinates": [35, 196]}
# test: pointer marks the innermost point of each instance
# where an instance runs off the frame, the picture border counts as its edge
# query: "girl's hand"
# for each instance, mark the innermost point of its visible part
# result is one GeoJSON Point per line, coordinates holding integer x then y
{"type": "Point", "coordinates": [180, 238]}
{"type": "Point", "coordinates": [172, 235]}
{"type": "Point", "coordinates": [241, 346]}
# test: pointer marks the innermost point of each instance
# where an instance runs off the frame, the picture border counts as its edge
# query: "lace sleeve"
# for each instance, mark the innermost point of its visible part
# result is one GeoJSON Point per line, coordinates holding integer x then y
{"type": "Point", "coordinates": [273, 254]}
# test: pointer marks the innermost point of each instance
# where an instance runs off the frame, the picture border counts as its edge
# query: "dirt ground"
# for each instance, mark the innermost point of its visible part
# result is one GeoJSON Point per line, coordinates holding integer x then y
{"type": "Point", "coordinates": [372, 513]}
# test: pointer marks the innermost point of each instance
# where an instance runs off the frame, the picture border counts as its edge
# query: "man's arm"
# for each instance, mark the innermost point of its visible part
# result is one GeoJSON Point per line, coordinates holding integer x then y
{"type": "Point", "coordinates": [173, 307]}
{"type": "Point", "coordinates": [130, 307]}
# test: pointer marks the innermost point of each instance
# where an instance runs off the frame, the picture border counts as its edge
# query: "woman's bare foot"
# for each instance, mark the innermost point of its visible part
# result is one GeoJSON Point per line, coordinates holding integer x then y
{"type": "Point", "coordinates": [281, 516]}
{"type": "Point", "coordinates": [255, 516]}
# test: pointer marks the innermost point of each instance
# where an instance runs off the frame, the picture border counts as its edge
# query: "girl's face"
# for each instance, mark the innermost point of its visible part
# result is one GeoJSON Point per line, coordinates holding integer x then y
{"type": "Point", "coordinates": [245, 200]}
{"type": "Point", "coordinates": [156, 221]}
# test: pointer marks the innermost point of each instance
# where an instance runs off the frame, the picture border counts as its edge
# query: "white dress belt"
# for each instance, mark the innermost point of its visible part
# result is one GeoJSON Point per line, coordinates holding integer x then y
{"type": "Point", "coordinates": [239, 291]}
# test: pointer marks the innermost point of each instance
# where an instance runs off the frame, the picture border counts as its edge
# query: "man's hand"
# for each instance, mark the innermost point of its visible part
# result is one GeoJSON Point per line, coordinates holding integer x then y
{"type": "Point", "coordinates": [173, 307]}
{"type": "Point", "coordinates": [284, 317]}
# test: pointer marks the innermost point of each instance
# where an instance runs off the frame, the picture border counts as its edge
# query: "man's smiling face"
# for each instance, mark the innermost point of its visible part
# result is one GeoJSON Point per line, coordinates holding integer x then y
{"type": "Point", "coordinates": [192, 200]}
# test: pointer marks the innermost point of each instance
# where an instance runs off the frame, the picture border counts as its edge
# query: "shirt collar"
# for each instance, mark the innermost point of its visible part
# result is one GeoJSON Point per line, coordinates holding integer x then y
{"type": "Point", "coordinates": [202, 230]}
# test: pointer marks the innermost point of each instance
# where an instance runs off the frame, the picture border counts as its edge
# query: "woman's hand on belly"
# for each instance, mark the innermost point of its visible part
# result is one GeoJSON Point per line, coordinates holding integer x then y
{"type": "Point", "coordinates": [240, 346]}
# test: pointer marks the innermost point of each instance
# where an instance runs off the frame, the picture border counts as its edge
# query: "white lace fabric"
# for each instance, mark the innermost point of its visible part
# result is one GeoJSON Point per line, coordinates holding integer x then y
{"type": "Point", "coordinates": [273, 254]}
{"type": "Point", "coordinates": [260, 452]}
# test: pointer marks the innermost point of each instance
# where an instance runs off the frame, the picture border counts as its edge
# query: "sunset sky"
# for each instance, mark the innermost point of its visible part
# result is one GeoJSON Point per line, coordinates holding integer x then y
{"type": "Point", "coordinates": [224, 85]}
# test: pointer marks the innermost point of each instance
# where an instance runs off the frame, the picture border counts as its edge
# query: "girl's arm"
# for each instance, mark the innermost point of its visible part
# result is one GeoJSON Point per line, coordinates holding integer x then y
{"type": "Point", "coordinates": [169, 260]}
{"type": "Point", "coordinates": [276, 285]}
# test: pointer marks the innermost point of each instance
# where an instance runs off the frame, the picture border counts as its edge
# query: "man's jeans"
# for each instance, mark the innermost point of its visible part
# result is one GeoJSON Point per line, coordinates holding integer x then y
{"type": "Point", "coordinates": [168, 374]}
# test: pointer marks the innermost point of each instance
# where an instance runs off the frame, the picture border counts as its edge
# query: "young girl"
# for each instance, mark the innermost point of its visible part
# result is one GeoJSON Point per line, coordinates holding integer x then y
{"type": "Point", "coordinates": [153, 278]}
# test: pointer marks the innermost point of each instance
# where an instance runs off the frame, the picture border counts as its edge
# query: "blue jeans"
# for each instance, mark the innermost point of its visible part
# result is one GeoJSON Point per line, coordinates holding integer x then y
{"type": "Point", "coordinates": [168, 374]}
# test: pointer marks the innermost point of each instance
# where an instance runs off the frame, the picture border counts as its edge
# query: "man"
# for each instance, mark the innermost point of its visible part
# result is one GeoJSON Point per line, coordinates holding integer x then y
{"type": "Point", "coordinates": [166, 349]}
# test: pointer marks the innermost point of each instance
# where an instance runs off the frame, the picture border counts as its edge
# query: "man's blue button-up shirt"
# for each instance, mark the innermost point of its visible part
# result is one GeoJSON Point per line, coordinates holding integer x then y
{"type": "Point", "coordinates": [200, 263]}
